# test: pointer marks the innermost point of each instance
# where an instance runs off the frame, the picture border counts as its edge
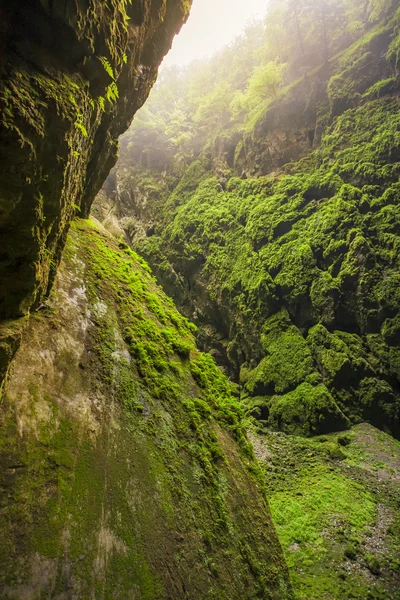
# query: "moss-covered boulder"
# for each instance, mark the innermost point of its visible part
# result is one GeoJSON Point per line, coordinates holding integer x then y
{"type": "Point", "coordinates": [308, 410]}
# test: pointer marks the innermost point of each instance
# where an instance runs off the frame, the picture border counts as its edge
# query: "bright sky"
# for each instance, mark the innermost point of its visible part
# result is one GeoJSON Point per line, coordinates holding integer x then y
{"type": "Point", "coordinates": [212, 24]}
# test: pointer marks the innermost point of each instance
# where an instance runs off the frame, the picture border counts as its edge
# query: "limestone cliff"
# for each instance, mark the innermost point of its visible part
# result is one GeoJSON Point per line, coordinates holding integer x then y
{"type": "Point", "coordinates": [126, 472]}
{"type": "Point", "coordinates": [73, 73]}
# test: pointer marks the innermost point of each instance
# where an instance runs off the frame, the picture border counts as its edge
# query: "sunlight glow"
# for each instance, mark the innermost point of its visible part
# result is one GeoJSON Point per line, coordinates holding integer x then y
{"type": "Point", "coordinates": [212, 24]}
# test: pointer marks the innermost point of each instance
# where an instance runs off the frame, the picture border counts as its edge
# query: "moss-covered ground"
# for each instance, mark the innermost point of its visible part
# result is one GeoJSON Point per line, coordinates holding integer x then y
{"type": "Point", "coordinates": [335, 503]}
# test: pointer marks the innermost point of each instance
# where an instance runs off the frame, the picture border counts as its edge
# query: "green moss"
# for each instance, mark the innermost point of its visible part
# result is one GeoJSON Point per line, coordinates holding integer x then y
{"type": "Point", "coordinates": [393, 53]}
{"type": "Point", "coordinates": [319, 246]}
{"type": "Point", "coordinates": [381, 88]}
{"type": "Point", "coordinates": [328, 510]}
{"type": "Point", "coordinates": [138, 451]}
{"type": "Point", "coordinates": [307, 410]}
{"type": "Point", "coordinates": [300, 519]}
{"type": "Point", "coordinates": [287, 363]}
{"type": "Point", "coordinates": [10, 336]}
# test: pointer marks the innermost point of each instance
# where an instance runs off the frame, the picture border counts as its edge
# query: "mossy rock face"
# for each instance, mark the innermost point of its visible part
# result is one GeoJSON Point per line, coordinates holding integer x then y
{"type": "Point", "coordinates": [359, 69]}
{"type": "Point", "coordinates": [126, 472]}
{"type": "Point", "coordinates": [307, 410]}
{"type": "Point", "coordinates": [68, 68]}
{"type": "Point", "coordinates": [287, 257]}
{"type": "Point", "coordinates": [297, 275]}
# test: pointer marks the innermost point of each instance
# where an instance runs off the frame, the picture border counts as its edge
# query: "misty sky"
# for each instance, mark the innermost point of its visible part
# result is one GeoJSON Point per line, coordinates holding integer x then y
{"type": "Point", "coordinates": [212, 24]}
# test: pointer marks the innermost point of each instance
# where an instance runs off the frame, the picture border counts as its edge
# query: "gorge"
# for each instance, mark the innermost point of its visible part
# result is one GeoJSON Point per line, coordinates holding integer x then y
{"type": "Point", "coordinates": [199, 344]}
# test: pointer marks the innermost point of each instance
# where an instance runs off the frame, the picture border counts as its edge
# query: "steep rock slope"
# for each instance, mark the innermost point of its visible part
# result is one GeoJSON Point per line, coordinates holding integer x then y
{"type": "Point", "coordinates": [126, 471]}
{"type": "Point", "coordinates": [292, 277]}
{"type": "Point", "coordinates": [73, 73]}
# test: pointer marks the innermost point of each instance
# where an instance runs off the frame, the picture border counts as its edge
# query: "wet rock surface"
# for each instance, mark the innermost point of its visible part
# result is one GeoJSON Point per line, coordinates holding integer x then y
{"type": "Point", "coordinates": [73, 74]}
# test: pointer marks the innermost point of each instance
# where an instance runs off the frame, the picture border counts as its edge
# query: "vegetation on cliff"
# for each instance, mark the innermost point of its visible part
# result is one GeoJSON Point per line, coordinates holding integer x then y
{"type": "Point", "coordinates": [285, 254]}
{"type": "Point", "coordinates": [127, 472]}
{"type": "Point", "coordinates": [262, 187]}
{"type": "Point", "coordinates": [67, 69]}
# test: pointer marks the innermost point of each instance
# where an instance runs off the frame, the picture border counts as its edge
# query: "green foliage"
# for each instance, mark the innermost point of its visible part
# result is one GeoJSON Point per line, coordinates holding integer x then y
{"type": "Point", "coordinates": [189, 108]}
{"type": "Point", "coordinates": [101, 102]}
{"type": "Point", "coordinates": [393, 53]}
{"type": "Point", "coordinates": [213, 107]}
{"type": "Point", "coordinates": [112, 93]}
{"type": "Point", "coordinates": [107, 66]}
{"type": "Point", "coordinates": [142, 310]}
{"type": "Point", "coordinates": [265, 82]}
{"type": "Point", "coordinates": [293, 277]}
{"type": "Point", "coordinates": [82, 129]}
{"type": "Point", "coordinates": [317, 240]}
{"type": "Point", "coordinates": [140, 427]}
{"type": "Point", "coordinates": [379, 8]}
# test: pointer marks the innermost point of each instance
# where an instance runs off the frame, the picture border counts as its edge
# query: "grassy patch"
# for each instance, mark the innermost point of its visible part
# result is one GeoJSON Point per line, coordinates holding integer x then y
{"type": "Point", "coordinates": [334, 502]}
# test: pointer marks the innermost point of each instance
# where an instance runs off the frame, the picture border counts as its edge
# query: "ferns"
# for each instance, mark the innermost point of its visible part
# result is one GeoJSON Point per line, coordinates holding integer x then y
{"type": "Point", "coordinates": [80, 126]}
{"type": "Point", "coordinates": [102, 103]}
{"type": "Point", "coordinates": [112, 92]}
{"type": "Point", "coordinates": [107, 66]}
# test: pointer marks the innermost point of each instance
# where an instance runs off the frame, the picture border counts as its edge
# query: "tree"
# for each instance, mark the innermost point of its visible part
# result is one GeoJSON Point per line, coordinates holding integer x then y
{"type": "Point", "coordinates": [377, 9]}
{"type": "Point", "coordinates": [296, 8]}
{"type": "Point", "coordinates": [213, 113]}
{"type": "Point", "coordinates": [265, 82]}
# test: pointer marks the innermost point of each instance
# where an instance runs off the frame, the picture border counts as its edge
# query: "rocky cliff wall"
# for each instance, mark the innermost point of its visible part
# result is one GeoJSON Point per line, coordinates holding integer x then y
{"type": "Point", "coordinates": [72, 76]}
{"type": "Point", "coordinates": [126, 472]}
{"type": "Point", "coordinates": [292, 277]}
